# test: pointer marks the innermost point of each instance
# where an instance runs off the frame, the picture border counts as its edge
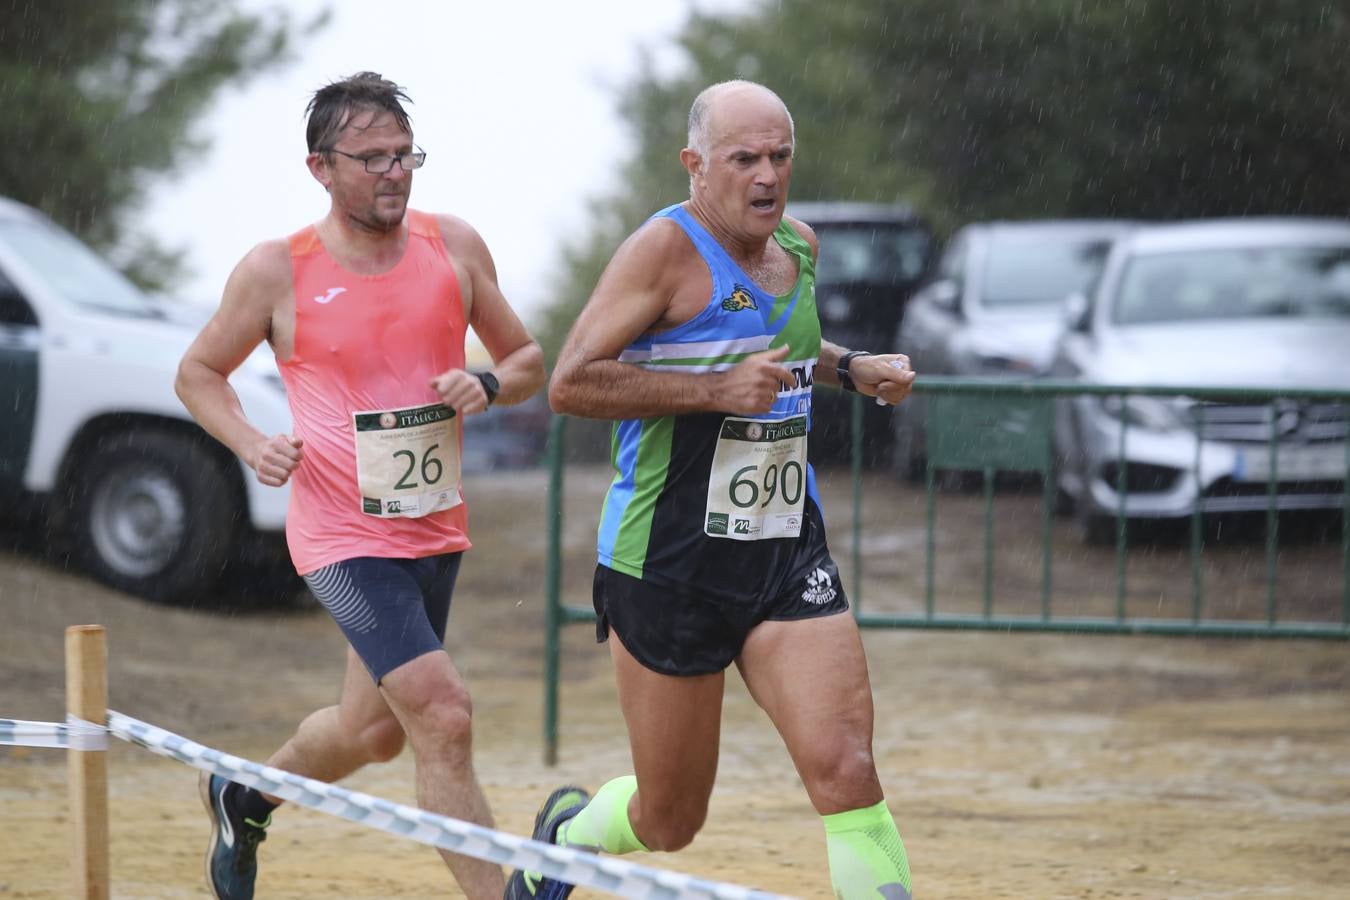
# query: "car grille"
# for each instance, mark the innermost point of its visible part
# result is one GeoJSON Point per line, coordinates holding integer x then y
{"type": "Point", "coordinates": [1142, 478]}
{"type": "Point", "coordinates": [1295, 420]}
{"type": "Point", "coordinates": [1226, 487]}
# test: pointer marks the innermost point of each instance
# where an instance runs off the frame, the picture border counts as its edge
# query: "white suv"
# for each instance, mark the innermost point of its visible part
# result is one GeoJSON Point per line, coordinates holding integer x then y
{"type": "Point", "coordinates": [93, 434]}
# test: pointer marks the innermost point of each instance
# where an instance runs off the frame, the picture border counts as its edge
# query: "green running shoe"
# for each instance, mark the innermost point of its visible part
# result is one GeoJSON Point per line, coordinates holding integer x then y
{"type": "Point", "coordinates": [561, 805]}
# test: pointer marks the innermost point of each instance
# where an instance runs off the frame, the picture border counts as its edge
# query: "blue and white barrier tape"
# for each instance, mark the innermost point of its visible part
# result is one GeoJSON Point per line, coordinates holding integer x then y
{"type": "Point", "coordinates": [582, 869]}
{"type": "Point", "coordinates": [571, 866]}
{"type": "Point", "coordinates": [75, 734]}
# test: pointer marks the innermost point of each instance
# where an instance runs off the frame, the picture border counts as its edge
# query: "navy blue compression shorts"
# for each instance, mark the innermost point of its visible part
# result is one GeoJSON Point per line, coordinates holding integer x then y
{"type": "Point", "coordinates": [391, 610]}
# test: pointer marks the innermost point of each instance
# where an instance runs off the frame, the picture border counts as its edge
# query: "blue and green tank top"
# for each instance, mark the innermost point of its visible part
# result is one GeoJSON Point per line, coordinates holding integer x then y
{"type": "Point", "coordinates": [721, 503]}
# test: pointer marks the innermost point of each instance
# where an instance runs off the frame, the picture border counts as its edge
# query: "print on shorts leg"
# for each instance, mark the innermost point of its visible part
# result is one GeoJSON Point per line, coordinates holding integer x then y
{"type": "Point", "coordinates": [819, 587]}
{"type": "Point", "coordinates": [332, 586]}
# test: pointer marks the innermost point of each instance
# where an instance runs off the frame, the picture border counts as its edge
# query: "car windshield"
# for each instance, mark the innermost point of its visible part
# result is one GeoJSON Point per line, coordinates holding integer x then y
{"type": "Point", "coordinates": [877, 254]}
{"type": "Point", "coordinates": [72, 270]}
{"type": "Point", "coordinates": [1252, 282]}
{"type": "Point", "coordinates": [1039, 269]}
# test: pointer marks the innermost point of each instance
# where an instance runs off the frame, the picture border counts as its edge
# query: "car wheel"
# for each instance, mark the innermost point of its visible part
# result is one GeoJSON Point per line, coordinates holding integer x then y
{"type": "Point", "coordinates": [153, 515]}
{"type": "Point", "coordinates": [1097, 530]}
{"type": "Point", "coordinates": [1062, 503]}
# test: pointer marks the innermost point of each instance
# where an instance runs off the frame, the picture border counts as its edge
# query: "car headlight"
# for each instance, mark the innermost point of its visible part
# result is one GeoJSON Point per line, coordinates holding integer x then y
{"type": "Point", "coordinates": [1150, 413]}
{"type": "Point", "coordinates": [982, 354]}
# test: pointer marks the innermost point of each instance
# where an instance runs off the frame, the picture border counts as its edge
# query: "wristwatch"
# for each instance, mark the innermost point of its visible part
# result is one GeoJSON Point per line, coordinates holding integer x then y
{"type": "Point", "coordinates": [490, 385]}
{"type": "Point", "coordinates": [846, 380]}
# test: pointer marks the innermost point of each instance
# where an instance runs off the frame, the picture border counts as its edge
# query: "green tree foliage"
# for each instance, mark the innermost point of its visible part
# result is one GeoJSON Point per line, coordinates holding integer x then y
{"type": "Point", "coordinates": [100, 97]}
{"type": "Point", "coordinates": [1013, 108]}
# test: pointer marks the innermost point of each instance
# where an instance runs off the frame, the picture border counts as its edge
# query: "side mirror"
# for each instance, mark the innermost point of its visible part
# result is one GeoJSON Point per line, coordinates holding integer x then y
{"type": "Point", "coordinates": [945, 294]}
{"type": "Point", "coordinates": [1076, 312]}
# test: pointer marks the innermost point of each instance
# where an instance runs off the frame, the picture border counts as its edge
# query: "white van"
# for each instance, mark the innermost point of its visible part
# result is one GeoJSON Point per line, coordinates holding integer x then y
{"type": "Point", "coordinates": [93, 435]}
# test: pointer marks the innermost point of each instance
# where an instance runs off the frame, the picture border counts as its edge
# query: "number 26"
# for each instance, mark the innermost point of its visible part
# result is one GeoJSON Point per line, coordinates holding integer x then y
{"type": "Point", "coordinates": [431, 468]}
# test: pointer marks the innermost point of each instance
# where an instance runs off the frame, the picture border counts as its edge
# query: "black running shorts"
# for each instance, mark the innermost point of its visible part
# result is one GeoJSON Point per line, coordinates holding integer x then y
{"type": "Point", "coordinates": [674, 631]}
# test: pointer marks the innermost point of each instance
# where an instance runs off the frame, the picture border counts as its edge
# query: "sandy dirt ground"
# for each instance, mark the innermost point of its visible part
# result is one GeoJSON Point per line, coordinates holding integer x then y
{"type": "Point", "coordinates": [1017, 766]}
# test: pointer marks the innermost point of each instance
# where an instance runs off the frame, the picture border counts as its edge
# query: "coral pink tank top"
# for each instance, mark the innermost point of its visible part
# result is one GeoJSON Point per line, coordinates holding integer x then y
{"type": "Point", "coordinates": [370, 344]}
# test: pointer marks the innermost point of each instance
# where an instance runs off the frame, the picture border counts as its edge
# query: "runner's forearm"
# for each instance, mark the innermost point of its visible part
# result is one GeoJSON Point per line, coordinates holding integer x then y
{"type": "Point", "coordinates": [827, 362]}
{"type": "Point", "coordinates": [215, 406]}
{"type": "Point", "coordinates": [520, 373]}
{"type": "Point", "coordinates": [609, 389]}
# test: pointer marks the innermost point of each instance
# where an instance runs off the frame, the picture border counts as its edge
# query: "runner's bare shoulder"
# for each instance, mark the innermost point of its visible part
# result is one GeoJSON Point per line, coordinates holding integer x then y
{"type": "Point", "coordinates": [805, 232]}
{"type": "Point", "coordinates": [462, 239]}
{"type": "Point", "coordinates": [263, 275]}
{"type": "Point", "coordinates": [657, 252]}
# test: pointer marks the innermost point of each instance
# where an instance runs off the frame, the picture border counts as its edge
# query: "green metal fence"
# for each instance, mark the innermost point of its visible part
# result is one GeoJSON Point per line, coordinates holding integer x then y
{"type": "Point", "coordinates": [988, 427]}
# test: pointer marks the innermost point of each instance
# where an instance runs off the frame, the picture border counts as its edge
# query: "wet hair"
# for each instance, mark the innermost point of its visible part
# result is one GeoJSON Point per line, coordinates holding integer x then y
{"type": "Point", "coordinates": [700, 114]}
{"type": "Point", "coordinates": [334, 104]}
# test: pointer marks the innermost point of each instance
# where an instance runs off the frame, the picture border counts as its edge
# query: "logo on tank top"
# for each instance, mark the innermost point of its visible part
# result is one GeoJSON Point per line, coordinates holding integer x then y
{"type": "Point", "coordinates": [328, 297]}
{"type": "Point", "coordinates": [819, 587]}
{"type": "Point", "coordinates": [740, 299]}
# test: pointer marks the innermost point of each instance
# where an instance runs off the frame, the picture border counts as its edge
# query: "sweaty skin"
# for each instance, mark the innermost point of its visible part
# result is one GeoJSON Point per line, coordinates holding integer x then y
{"type": "Point", "coordinates": [657, 280]}
{"type": "Point", "coordinates": [365, 233]}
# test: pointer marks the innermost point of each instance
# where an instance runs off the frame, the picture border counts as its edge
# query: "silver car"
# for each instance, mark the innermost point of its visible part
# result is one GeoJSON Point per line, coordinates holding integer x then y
{"type": "Point", "coordinates": [1254, 303]}
{"type": "Point", "coordinates": [992, 308]}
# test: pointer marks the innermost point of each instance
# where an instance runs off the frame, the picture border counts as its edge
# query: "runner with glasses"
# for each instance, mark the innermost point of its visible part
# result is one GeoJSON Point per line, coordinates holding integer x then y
{"type": "Point", "coordinates": [383, 163]}
{"type": "Point", "coordinates": [366, 312]}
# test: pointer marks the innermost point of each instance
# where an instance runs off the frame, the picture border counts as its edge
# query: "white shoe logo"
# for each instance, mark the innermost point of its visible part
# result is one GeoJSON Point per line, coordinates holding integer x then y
{"type": "Point", "coordinates": [332, 292]}
{"type": "Point", "coordinates": [226, 829]}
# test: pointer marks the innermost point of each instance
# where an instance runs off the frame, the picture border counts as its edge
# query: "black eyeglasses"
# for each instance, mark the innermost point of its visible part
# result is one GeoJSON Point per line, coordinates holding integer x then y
{"type": "Point", "coordinates": [382, 164]}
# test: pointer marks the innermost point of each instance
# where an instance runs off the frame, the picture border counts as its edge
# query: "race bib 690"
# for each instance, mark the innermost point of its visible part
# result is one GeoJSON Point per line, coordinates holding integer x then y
{"type": "Point", "coordinates": [758, 481]}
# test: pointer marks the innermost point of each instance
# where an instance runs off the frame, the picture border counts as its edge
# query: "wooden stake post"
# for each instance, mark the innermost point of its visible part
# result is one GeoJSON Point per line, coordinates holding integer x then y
{"type": "Point", "coordinates": [87, 699]}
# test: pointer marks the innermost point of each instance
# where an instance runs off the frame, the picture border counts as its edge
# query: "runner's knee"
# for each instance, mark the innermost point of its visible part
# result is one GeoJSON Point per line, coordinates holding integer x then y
{"type": "Point", "coordinates": [382, 740]}
{"type": "Point", "coordinates": [842, 776]}
{"type": "Point", "coordinates": [671, 826]}
{"type": "Point", "coordinates": [443, 720]}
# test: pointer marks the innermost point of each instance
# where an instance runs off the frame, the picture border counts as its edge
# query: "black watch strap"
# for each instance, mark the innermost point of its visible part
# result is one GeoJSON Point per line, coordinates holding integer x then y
{"type": "Point", "coordinates": [846, 380]}
{"type": "Point", "coordinates": [491, 386]}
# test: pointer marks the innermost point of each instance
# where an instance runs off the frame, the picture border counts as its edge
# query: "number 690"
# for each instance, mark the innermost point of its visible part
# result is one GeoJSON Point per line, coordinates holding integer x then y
{"type": "Point", "coordinates": [787, 479]}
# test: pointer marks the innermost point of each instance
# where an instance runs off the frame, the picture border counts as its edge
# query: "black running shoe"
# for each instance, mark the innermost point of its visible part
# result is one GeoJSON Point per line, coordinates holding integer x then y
{"type": "Point", "coordinates": [232, 855]}
{"type": "Point", "coordinates": [561, 805]}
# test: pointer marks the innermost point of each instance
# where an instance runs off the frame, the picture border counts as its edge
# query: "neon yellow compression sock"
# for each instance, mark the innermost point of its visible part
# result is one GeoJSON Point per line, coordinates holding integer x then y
{"type": "Point", "coordinates": [603, 824]}
{"type": "Point", "coordinates": [867, 858]}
